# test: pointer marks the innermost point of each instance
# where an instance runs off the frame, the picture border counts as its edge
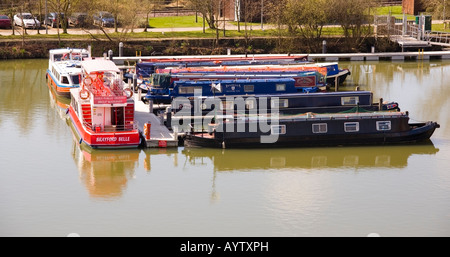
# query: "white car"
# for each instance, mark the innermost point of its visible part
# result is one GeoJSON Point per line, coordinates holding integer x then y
{"type": "Point", "coordinates": [29, 21]}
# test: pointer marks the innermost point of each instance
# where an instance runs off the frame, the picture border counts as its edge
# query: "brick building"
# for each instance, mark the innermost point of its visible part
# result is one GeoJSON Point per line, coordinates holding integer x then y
{"type": "Point", "coordinates": [240, 9]}
{"type": "Point", "coordinates": [413, 7]}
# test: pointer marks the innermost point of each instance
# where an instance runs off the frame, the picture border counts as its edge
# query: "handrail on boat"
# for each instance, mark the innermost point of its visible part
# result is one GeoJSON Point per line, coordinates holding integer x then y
{"type": "Point", "coordinates": [112, 128]}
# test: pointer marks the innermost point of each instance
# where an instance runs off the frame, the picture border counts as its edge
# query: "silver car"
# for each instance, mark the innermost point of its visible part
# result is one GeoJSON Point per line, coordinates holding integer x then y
{"type": "Point", "coordinates": [26, 20]}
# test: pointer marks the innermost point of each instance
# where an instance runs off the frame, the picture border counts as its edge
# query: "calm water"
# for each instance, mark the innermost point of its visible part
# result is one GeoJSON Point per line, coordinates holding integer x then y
{"type": "Point", "coordinates": [51, 187]}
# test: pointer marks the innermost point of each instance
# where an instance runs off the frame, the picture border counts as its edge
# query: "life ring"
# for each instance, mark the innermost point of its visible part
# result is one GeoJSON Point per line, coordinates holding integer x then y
{"type": "Point", "coordinates": [85, 93]}
{"type": "Point", "coordinates": [88, 81]}
{"type": "Point", "coordinates": [130, 94]}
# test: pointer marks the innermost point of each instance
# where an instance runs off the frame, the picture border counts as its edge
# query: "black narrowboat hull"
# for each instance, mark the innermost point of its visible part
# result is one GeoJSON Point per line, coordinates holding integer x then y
{"type": "Point", "coordinates": [417, 133]}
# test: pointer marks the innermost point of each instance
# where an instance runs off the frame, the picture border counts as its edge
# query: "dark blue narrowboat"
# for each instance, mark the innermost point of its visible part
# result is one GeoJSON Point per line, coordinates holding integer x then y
{"type": "Point", "coordinates": [311, 130]}
{"type": "Point", "coordinates": [328, 102]}
{"type": "Point", "coordinates": [208, 88]}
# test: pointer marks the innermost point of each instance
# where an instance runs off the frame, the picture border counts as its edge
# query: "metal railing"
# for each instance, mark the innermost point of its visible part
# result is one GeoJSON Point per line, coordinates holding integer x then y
{"type": "Point", "coordinates": [111, 128]}
{"type": "Point", "coordinates": [439, 37]}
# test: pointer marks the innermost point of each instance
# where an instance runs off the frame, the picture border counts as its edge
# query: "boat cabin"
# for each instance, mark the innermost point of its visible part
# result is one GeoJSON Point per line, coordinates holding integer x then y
{"type": "Point", "coordinates": [64, 69]}
{"type": "Point", "coordinates": [102, 109]}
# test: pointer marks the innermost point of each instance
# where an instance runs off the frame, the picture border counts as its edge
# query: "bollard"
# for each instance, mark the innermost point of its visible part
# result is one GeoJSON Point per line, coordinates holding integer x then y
{"type": "Point", "coordinates": [110, 55]}
{"type": "Point", "coordinates": [324, 47]}
{"type": "Point", "coordinates": [135, 82]}
{"type": "Point", "coordinates": [169, 117]}
{"type": "Point", "coordinates": [373, 49]}
{"type": "Point", "coordinates": [150, 106]}
{"type": "Point", "coordinates": [229, 51]}
{"type": "Point", "coordinates": [120, 49]}
{"type": "Point", "coordinates": [147, 130]}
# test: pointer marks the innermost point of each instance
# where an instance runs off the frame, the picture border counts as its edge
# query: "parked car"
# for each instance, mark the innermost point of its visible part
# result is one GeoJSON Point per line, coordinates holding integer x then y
{"type": "Point", "coordinates": [29, 21]}
{"type": "Point", "coordinates": [52, 18]}
{"type": "Point", "coordinates": [79, 19]}
{"type": "Point", "coordinates": [104, 19]}
{"type": "Point", "coordinates": [5, 22]}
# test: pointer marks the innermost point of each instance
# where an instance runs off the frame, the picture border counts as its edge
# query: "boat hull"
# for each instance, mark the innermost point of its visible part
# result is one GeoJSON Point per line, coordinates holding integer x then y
{"type": "Point", "coordinates": [106, 140]}
{"type": "Point", "coordinates": [61, 90]}
{"type": "Point", "coordinates": [340, 77]}
{"type": "Point", "coordinates": [417, 133]}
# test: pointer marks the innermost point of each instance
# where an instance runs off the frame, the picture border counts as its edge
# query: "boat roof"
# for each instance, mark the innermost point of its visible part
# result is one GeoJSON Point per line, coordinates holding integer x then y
{"type": "Point", "coordinates": [330, 116]}
{"type": "Point", "coordinates": [235, 81]}
{"type": "Point", "coordinates": [68, 67]}
{"type": "Point", "coordinates": [68, 50]}
{"type": "Point", "coordinates": [99, 65]}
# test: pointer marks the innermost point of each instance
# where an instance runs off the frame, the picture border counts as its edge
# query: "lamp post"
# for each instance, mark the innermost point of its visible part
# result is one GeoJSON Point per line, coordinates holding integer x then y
{"type": "Point", "coordinates": [45, 17]}
{"type": "Point", "coordinates": [262, 14]}
{"type": "Point", "coordinates": [443, 16]}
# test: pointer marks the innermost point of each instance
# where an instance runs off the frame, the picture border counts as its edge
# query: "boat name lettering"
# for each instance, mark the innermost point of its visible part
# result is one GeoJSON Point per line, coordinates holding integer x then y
{"type": "Point", "coordinates": [113, 139]}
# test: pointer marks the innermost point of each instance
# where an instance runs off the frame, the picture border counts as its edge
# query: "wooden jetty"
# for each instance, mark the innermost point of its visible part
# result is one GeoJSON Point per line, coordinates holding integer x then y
{"type": "Point", "coordinates": [160, 136]}
{"type": "Point", "coordinates": [327, 57]}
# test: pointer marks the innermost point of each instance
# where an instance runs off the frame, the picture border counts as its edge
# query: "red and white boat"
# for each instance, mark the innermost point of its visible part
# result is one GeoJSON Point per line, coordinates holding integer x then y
{"type": "Point", "coordinates": [102, 109]}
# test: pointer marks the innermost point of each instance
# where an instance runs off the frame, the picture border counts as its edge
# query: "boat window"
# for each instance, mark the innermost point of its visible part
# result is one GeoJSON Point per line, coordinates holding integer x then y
{"type": "Point", "coordinates": [350, 100]}
{"type": "Point", "coordinates": [227, 105]}
{"type": "Point", "coordinates": [383, 125]}
{"type": "Point", "coordinates": [278, 129]}
{"type": "Point", "coordinates": [249, 88]}
{"type": "Point", "coordinates": [320, 128]}
{"type": "Point", "coordinates": [250, 104]}
{"type": "Point", "coordinates": [279, 103]}
{"type": "Point", "coordinates": [76, 79]}
{"type": "Point", "coordinates": [58, 57]}
{"type": "Point", "coordinates": [65, 80]}
{"type": "Point", "coordinates": [351, 126]}
{"type": "Point", "coordinates": [188, 90]}
{"type": "Point", "coordinates": [281, 87]}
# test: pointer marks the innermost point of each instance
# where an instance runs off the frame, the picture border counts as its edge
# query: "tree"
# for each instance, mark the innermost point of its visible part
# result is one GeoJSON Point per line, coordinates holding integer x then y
{"type": "Point", "coordinates": [209, 10]}
{"type": "Point", "coordinates": [354, 18]}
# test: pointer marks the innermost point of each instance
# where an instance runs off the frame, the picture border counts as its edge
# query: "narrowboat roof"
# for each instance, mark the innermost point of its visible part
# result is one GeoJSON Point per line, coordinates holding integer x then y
{"type": "Point", "coordinates": [329, 116]}
{"type": "Point", "coordinates": [296, 95]}
{"type": "Point", "coordinates": [99, 65]}
{"type": "Point", "coordinates": [243, 81]}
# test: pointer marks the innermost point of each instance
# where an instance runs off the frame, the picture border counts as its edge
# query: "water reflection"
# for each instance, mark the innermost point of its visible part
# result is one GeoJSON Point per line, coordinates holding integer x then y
{"type": "Point", "coordinates": [105, 174]}
{"type": "Point", "coordinates": [309, 158]}
{"type": "Point", "coordinates": [22, 85]}
{"type": "Point", "coordinates": [419, 87]}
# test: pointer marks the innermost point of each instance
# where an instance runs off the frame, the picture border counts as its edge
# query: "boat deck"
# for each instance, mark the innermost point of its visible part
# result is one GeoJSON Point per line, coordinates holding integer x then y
{"type": "Point", "coordinates": [160, 136]}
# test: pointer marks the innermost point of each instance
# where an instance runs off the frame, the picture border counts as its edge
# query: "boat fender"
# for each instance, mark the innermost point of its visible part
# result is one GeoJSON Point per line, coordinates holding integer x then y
{"type": "Point", "coordinates": [81, 141]}
{"type": "Point", "coordinates": [223, 145]}
{"type": "Point", "coordinates": [87, 81]}
{"type": "Point", "coordinates": [67, 111]}
{"type": "Point", "coordinates": [84, 94]}
{"type": "Point", "coordinates": [130, 92]}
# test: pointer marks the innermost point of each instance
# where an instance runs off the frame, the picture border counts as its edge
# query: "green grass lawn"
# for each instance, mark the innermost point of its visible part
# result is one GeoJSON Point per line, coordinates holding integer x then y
{"type": "Point", "coordinates": [395, 11]}
{"type": "Point", "coordinates": [440, 27]}
{"type": "Point", "coordinates": [176, 22]}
